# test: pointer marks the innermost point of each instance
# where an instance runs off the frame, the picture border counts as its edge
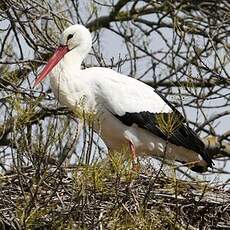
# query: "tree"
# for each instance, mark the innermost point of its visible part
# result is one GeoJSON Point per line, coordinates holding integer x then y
{"type": "Point", "coordinates": [179, 47]}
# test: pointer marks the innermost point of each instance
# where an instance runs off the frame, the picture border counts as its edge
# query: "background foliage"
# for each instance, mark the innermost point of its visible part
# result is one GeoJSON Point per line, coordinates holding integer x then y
{"type": "Point", "coordinates": [179, 47]}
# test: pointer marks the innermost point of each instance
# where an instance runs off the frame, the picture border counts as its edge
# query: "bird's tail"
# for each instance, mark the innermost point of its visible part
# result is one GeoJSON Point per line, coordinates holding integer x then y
{"type": "Point", "coordinates": [204, 164]}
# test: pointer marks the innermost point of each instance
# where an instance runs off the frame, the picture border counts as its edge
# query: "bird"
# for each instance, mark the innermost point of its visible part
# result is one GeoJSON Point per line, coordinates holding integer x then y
{"type": "Point", "coordinates": [129, 112]}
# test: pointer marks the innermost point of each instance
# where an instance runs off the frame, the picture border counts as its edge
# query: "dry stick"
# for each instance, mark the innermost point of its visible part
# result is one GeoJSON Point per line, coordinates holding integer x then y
{"type": "Point", "coordinates": [151, 183]}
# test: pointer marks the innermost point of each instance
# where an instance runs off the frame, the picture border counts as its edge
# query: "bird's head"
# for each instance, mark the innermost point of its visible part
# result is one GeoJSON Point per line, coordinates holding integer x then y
{"type": "Point", "coordinates": [76, 37]}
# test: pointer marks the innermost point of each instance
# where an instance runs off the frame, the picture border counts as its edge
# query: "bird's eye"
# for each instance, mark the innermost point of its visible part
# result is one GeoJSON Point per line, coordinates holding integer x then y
{"type": "Point", "coordinates": [69, 37]}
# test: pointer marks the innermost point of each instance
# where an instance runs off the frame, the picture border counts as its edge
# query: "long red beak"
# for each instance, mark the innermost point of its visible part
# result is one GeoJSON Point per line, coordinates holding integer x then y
{"type": "Point", "coordinates": [57, 56]}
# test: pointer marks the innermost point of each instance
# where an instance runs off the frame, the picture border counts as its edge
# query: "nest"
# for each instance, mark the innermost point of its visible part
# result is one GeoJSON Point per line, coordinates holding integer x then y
{"type": "Point", "coordinates": [101, 197]}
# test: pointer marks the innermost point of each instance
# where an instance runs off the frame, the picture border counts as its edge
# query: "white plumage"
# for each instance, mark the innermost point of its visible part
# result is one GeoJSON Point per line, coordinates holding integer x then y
{"type": "Point", "coordinates": [126, 108]}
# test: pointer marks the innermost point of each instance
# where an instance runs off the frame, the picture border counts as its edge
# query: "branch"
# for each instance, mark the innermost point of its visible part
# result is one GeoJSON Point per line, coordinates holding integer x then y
{"type": "Point", "coordinates": [209, 83]}
{"type": "Point", "coordinates": [216, 148]}
{"type": "Point", "coordinates": [10, 124]}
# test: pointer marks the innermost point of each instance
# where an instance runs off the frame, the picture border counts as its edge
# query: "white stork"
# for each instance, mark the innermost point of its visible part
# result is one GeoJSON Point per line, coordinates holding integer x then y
{"type": "Point", "coordinates": [129, 111]}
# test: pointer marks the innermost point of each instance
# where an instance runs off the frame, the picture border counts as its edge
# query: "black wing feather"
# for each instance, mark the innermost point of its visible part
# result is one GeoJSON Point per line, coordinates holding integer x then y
{"type": "Point", "coordinates": [179, 134]}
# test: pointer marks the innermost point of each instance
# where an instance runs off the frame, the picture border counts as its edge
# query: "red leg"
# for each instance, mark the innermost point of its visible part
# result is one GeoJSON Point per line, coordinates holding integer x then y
{"type": "Point", "coordinates": [136, 166]}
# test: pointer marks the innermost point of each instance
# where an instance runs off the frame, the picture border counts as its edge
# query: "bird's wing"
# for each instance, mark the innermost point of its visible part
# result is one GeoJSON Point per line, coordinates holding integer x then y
{"type": "Point", "coordinates": [133, 102]}
{"type": "Point", "coordinates": [123, 94]}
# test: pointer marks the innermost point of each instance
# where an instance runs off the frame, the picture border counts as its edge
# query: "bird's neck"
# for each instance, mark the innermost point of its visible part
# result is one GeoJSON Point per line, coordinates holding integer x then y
{"type": "Point", "coordinates": [73, 60]}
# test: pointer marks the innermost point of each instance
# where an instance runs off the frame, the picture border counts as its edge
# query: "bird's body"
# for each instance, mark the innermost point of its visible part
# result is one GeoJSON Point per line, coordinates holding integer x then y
{"type": "Point", "coordinates": [127, 111]}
